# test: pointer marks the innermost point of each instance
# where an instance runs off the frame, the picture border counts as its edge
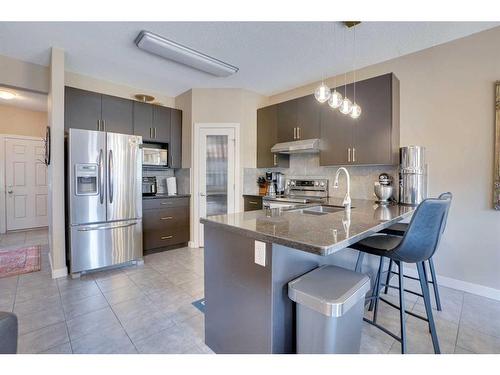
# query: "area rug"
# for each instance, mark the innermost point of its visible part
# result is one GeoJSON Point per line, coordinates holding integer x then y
{"type": "Point", "coordinates": [18, 261]}
{"type": "Point", "coordinates": [200, 305]}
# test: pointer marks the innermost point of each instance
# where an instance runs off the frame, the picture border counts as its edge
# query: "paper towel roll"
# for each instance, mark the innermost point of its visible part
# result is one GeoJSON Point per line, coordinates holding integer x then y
{"type": "Point", "coordinates": [171, 186]}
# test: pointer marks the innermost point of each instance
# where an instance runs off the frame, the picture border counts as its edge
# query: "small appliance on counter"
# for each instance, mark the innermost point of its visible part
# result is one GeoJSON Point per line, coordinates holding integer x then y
{"type": "Point", "coordinates": [149, 186]}
{"type": "Point", "coordinates": [275, 183]}
{"type": "Point", "coordinates": [412, 175]}
{"type": "Point", "coordinates": [171, 186]}
{"type": "Point", "coordinates": [261, 182]}
{"type": "Point", "coordinates": [383, 188]}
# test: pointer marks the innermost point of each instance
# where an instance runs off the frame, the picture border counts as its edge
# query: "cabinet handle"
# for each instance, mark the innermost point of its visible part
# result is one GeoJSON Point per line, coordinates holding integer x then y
{"type": "Point", "coordinates": [353, 154]}
{"type": "Point", "coordinates": [294, 133]}
{"type": "Point", "coordinates": [298, 133]}
{"type": "Point", "coordinates": [166, 237]}
{"type": "Point", "coordinates": [253, 202]}
{"type": "Point", "coordinates": [165, 203]}
{"type": "Point", "coordinates": [167, 218]}
{"type": "Point", "coordinates": [150, 132]}
{"type": "Point", "coordinates": [349, 154]}
{"type": "Point", "coordinates": [155, 132]}
{"type": "Point", "coordinates": [104, 125]}
{"type": "Point", "coordinates": [275, 161]}
{"type": "Point", "coordinates": [98, 125]}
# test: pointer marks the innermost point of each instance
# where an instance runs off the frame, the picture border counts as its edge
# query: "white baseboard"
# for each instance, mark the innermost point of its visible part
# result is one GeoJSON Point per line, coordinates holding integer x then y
{"type": "Point", "coordinates": [464, 286]}
{"type": "Point", "coordinates": [59, 272]}
{"type": "Point", "coordinates": [191, 244]}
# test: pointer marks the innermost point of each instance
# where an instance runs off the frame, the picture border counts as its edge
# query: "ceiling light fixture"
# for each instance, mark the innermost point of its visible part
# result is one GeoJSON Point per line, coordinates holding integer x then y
{"type": "Point", "coordinates": [144, 98]}
{"type": "Point", "coordinates": [322, 92]}
{"type": "Point", "coordinates": [170, 50]}
{"type": "Point", "coordinates": [7, 95]}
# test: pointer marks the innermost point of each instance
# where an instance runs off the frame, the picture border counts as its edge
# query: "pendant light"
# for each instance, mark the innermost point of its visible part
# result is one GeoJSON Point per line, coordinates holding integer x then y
{"type": "Point", "coordinates": [336, 98]}
{"type": "Point", "coordinates": [356, 109]}
{"type": "Point", "coordinates": [322, 93]}
{"type": "Point", "coordinates": [346, 106]}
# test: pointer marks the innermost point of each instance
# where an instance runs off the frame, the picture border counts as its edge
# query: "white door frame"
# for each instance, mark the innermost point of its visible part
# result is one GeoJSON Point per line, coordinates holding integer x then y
{"type": "Point", "coordinates": [195, 184]}
{"type": "Point", "coordinates": [3, 192]}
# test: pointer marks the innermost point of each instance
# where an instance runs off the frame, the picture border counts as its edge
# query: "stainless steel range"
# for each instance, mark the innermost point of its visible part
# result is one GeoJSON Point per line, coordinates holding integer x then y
{"type": "Point", "coordinates": [299, 192]}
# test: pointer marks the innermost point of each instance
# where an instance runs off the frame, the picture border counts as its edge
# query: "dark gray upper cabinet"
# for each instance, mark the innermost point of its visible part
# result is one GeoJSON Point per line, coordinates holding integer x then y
{"type": "Point", "coordinates": [152, 122]}
{"type": "Point", "coordinates": [373, 138]}
{"type": "Point", "coordinates": [92, 111]}
{"type": "Point", "coordinates": [175, 146]}
{"type": "Point", "coordinates": [267, 137]}
{"type": "Point", "coordinates": [308, 117]}
{"type": "Point", "coordinates": [82, 109]}
{"type": "Point", "coordinates": [287, 121]}
{"type": "Point", "coordinates": [143, 121]}
{"type": "Point", "coordinates": [161, 123]}
{"type": "Point", "coordinates": [117, 115]}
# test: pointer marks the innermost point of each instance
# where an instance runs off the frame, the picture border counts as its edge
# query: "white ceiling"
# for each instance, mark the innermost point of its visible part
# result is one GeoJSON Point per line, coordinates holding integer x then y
{"type": "Point", "coordinates": [25, 99]}
{"type": "Point", "coordinates": [272, 56]}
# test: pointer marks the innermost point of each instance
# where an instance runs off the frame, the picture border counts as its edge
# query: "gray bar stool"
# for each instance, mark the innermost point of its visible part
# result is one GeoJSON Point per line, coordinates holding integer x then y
{"type": "Point", "coordinates": [399, 229]}
{"type": "Point", "coordinates": [418, 245]}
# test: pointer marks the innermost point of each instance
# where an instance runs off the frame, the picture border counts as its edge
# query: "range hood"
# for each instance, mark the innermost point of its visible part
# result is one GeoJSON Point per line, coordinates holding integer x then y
{"type": "Point", "coordinates": [297, 147]}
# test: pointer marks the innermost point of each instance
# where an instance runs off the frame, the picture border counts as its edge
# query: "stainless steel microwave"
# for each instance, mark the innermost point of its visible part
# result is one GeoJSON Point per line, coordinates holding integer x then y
{"type": "Point", "coordinates": [154, 156]}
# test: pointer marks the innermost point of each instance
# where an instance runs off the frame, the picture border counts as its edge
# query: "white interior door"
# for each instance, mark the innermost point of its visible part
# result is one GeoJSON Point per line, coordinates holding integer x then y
{"type": "Point", "coordinates": [26, 184]}
{"type": "Point", "coordinates": [216, 173]}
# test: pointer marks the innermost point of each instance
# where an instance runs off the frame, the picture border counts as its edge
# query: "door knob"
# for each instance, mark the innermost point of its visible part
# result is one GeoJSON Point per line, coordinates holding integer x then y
{"type": "Point", "coordinates": [203, 195]}
{"type": "Point", "coordinates": [9, 190]}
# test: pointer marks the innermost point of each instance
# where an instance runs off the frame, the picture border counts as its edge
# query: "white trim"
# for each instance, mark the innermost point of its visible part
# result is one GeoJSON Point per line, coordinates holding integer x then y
{"type": "Point", "coordinates": [191, 244]}
{"type": "Point", "coordinates": [464, 286]}
{"type": "Point", "coordinates": [57, 273]}
{"type": "Point", "coordinates": [3, 202]}
{"type": "Point", "coordinates": [194, 172]}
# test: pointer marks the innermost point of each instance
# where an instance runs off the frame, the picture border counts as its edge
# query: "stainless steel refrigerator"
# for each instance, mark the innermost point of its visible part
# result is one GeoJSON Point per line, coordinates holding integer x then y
{"type": "Point", "coordinates": [104, 199]}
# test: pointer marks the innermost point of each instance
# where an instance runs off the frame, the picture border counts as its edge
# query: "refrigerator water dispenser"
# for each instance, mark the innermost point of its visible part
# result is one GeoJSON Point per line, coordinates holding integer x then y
{"type": "Point", "coordinates": [86, 179]}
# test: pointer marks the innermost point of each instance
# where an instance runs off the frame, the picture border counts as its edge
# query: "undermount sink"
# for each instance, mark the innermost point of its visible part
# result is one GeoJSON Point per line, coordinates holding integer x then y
{"type": "Point", "coordinates": [321, 210]}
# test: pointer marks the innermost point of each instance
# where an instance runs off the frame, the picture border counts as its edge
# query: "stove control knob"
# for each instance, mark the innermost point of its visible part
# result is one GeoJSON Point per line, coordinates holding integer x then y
{"type": "Point", "coordinates": [292, 183]}
{"type": "Point", "coordinates": [322, 184]}
{"type": "Point", "coordinates": [316, 183]}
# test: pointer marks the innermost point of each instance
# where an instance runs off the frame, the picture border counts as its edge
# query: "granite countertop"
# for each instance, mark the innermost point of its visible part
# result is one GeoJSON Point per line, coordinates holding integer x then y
{"type": "Point", "coordinates": [163, 196]}
{"type": "Point", "coordinates": [318, 234]}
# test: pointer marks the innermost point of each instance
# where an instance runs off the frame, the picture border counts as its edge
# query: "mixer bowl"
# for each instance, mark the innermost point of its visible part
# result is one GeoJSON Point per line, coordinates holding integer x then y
{"type": "Point", "coordinates": [383, 192]}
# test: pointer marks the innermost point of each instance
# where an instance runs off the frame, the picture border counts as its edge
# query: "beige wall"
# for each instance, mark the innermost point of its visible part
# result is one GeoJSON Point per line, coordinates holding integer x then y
{"type": "Point", "coordinates": [21, 121]}
{"type": "Point", "coordinates": [221, 106]}
{"type": "Point", "coordinates": [447, 105]}
{"type": "Point", "coordinates": [111, 88]}
{"type": "Point", "coordinates": [20, 74]}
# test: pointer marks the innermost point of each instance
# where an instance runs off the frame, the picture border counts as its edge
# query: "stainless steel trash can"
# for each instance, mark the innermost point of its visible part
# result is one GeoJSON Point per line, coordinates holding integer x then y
{"type": "Point", "coordinates": [330, 305]}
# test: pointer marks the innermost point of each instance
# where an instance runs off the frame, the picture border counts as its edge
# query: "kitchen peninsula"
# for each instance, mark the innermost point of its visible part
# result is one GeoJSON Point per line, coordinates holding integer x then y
{"type": "Point", "coordinates": [251, 256]}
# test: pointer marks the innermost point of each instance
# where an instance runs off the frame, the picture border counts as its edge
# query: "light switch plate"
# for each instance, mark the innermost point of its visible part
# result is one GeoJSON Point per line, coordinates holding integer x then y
{"type": "Point", "coordinates": [260, 253]}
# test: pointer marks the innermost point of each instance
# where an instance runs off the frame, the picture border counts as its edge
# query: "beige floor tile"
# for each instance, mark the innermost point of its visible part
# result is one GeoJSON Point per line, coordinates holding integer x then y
{"type": "Point", "coordinates": [477, 342]}
{"type": "Point", "coordinates": [43, 339]}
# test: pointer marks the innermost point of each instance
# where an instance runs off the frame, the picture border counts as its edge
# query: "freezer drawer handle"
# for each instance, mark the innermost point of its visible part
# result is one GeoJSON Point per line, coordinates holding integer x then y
{"type": "Point", "coordinates": [165, 203]}
{"type": "Point", "coordinates": [110, 176]}
{"type": "Point", "coordinates": [104, 227]}
{"type": "Point", "coordinates": [167, 237]}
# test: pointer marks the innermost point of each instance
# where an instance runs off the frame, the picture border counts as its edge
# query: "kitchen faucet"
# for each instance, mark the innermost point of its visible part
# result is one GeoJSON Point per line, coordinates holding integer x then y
{"type": "Point", "coordinates": [347, 199]}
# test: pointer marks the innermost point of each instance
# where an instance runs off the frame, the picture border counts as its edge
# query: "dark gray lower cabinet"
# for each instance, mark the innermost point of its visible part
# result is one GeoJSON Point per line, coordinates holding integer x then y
{"type": "Point", "coordinates": [165, 223]}
{"type": "Point", "coordinates": [252, 202]}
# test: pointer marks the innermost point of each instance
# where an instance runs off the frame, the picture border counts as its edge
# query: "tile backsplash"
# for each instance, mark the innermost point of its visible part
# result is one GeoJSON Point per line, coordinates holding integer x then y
{"type": "Point", "coordinates": [182, 175]}
{"type": "Point", "coordinates": [307, 166]}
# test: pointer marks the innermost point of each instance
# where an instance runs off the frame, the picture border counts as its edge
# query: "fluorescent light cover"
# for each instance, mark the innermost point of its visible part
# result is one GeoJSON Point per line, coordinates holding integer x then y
{"type": "Point", "coordinates": [167, 49]}
{"type": "Point", "coordinates": [7, 95]}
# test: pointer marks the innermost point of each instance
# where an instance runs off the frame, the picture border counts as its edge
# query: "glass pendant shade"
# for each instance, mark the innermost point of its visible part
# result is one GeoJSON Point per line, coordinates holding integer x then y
{"type": "Point", "coordinates": [335, 100]}
{"type": "Point", "coordinates": [322, 93]}
{"type": "Point", "coordinates": [355, 110]}
{"type": "Point", "coordinates": [346, 106]}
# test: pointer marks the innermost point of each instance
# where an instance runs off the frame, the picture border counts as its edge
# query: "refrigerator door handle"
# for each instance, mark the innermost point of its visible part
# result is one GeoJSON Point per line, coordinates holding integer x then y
{"type": "Point", "coordinates": [101, 177]}
{"type": "Point", "coordinates": [104, 227]}
{"type": "Point", "coordinates": [110, 176]}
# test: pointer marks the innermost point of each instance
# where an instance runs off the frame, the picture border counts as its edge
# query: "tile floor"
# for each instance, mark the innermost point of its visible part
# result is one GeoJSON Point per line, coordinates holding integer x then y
{"type": "Point", "coordinates": [147, 309]}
